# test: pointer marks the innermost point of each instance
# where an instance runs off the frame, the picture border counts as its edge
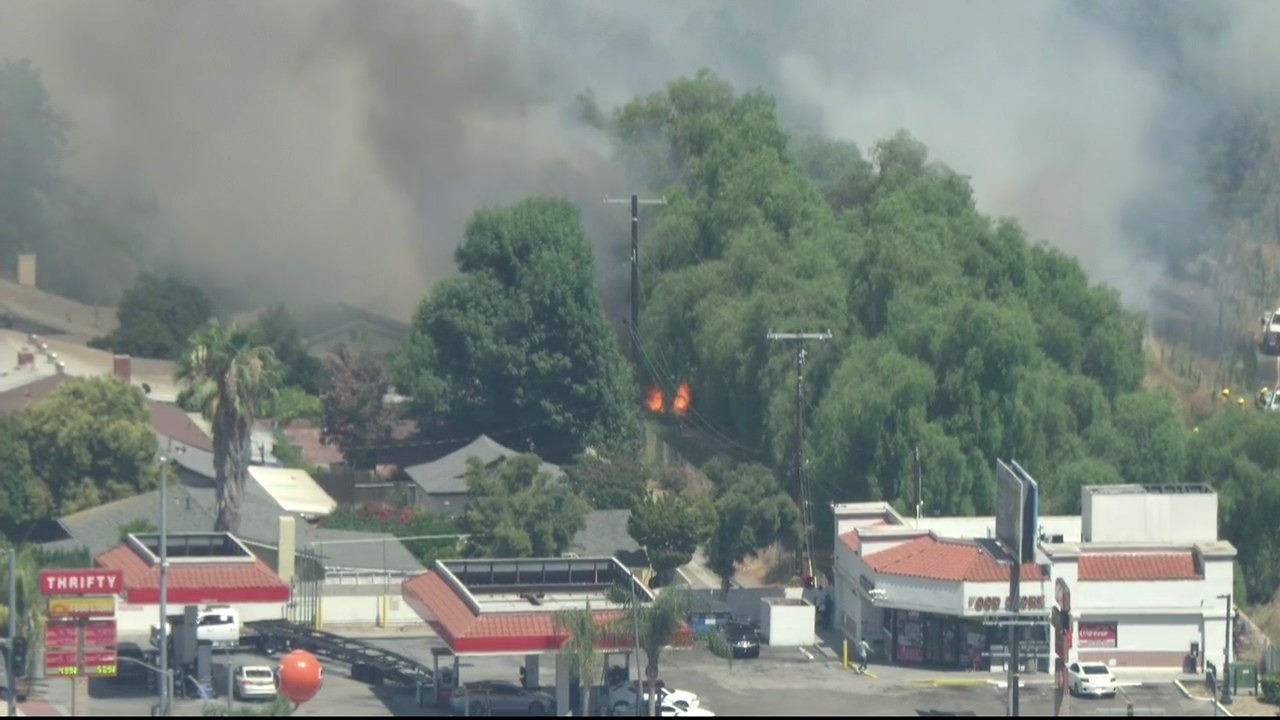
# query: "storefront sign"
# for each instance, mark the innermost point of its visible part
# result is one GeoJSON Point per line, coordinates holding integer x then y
{"type": "Point", "coordinates": [1097, 634]}
{"type": "Point", "coordinates": [993, 603]}
{"type": "Point", "coordinates": [81, 607]}
{"type": "Point", "coordinates": [81, 582]}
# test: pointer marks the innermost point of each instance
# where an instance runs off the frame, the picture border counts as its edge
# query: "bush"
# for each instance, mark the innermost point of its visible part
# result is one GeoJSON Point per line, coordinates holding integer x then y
{"type": "Point", "coordinates": [278, 707]}
{"type": "Point", "coordinates": [1271, 688]}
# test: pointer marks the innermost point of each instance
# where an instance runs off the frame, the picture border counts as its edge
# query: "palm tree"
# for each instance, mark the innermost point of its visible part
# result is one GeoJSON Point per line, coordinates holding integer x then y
{"type": "Point", "coordinates": [246, 376]}
{"type": "Point", "coordinates": [580, 649]}
{"type": "Point", "coordinates": [658, 624]}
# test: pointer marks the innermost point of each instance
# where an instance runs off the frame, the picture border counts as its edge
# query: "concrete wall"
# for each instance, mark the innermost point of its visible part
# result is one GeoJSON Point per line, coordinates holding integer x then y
{"type": "Point", "coordinates": [366, 609]}
{"type": "Point", "coordinates": [786, 622]}
{"type": "Point", "coordinates": [27, 270]}
{"type": "Point", "coordinates": [1150, 517]}
{"type": "Point", "coordinates": [744, 603]}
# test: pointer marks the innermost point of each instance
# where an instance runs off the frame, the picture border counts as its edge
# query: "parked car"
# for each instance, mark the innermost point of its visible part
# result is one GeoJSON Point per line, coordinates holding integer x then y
{"type": "Point", "coordinates": [219, 625]}
{"type": "Point", "coordinates": [623, 696]}
{"type": "Point", "coordinates": [128, 667]}
{"type": "Point", "coordinates": [500, 698]}
{"type": "Point", "coordinates": [254, 681]}
{"type": "Point", "coordinates": [1270, 341]}
{"type": "Point", "coordinates": [666, 710]}
{"type": "Point", "coordinates": [743, 639]}
{"type": "Point", "coordinates": [1095, 679]}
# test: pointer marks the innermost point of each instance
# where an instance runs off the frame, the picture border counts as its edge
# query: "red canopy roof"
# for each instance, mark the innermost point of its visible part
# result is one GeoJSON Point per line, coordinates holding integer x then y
{"type": "Point", "coordinates": [195, 583]}
{"type": "Point", "coordinates": [436, 601]}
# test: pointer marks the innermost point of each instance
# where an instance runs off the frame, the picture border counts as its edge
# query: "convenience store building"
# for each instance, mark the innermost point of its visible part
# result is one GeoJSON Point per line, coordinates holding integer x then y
{"type": "Point", "coordinates": [1147, 576]}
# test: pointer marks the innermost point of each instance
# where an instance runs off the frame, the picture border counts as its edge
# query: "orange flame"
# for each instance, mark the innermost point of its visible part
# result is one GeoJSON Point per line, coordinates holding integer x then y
{"type": "Point", "coordinates": [684, 396]}
{"type": "Point", "coordinates": [655, 401]}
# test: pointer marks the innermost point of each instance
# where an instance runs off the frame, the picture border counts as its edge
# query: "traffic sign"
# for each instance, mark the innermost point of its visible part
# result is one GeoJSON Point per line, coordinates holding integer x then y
{"type": "Point", "coordinates": [81, 582]}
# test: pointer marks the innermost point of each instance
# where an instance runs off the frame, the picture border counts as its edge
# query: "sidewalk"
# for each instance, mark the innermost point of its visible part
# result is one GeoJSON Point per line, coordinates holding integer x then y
{"type": "Point", "coordinates": [39, 707]}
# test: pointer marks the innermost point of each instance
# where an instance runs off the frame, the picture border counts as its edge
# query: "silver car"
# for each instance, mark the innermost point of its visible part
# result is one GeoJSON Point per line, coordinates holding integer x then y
{"type": "Point", "coordinates": [500, 698]}
{"type": "Point", "coordinates": [254, 681]}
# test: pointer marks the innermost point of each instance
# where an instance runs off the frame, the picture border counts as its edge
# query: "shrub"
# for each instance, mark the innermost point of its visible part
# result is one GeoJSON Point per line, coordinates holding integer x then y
{"type": "Point", "coordinates": [1271, 688]}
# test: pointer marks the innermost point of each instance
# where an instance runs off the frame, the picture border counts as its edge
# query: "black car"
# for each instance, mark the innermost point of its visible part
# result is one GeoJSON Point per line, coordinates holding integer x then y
{"type": "Point", "coordinates": [743, 639]}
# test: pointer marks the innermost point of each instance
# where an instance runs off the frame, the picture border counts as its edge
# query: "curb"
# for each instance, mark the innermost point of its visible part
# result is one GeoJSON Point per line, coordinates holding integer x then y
{"type": "Point", "coordinates": [1187, 694]}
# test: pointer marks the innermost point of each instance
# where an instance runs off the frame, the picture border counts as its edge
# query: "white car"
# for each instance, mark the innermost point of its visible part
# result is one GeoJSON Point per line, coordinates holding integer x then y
{"type": "Point", "coordinates": [219, 625]}
{"type": "Point", "coordinates": [665, 710]}
{"type": "Point", "coordinates": [254, 681]}
{"type": "Point", "coordinates": [624, 694]}
{"type": "Point", "coordinates": [1092, 678]}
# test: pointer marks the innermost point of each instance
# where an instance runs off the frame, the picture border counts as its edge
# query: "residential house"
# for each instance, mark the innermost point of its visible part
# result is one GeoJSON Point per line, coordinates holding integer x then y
{"type": "Point", "coordinates": [605, 535]}
{"type": "Point", "coordinates": [440, 486]}
{"type": "Point", "coordinates": [26, 357]}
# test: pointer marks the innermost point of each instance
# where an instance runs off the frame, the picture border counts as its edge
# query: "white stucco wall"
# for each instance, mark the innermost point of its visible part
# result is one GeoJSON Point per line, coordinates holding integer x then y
{"type": "Point", "coordinates": [135, 621]}
{"type": "Point", "coordinates": [366, 610]}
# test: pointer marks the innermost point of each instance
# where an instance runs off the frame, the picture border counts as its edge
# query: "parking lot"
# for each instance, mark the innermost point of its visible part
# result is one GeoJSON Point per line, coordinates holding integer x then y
{"type": "Point", "coordinates": [782, 682]}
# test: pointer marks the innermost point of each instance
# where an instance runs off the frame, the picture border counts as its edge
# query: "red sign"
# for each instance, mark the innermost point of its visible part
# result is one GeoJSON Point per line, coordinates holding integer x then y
{"type": "Point", "coordinates": [1097, 634]}
{"type": "Point", "coordinates": [81, 582]}
{"type": "Point", "coordinates": [58, 636]}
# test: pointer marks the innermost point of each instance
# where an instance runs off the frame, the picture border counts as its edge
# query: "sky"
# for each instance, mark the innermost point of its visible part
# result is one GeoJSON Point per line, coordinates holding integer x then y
{"type": "Point", "coordinates": [334, 150]}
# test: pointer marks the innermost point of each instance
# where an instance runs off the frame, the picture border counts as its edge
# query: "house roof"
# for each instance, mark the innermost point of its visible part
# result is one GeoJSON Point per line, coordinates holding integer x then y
{"type": "Point", "coordinates": [1137, 567]}
{"type": "Point", "coordinates": [79, 360]}
{"type": "Point", "coordinates": [28, 390]}
{"type": "Point", "coordinates": [448, 474]}
{"type": "Point", "coordinates": [294, 490]}
{"type": "Point", "coordinates": [195, 583]}
{"type": "Point", "coordinates": [605, 535]}
{"type": "Point", "coordinates": [318, 322]}
{"type": "Point", "coordinates": [930, 558]}
{"type": "Point", "coordinates": [54, 311]}
{"type": "Point", "coordinates": [171, 421]}
{"type": "Point", "coordinates": [312, 449]}
{"type": "Point", "coordinates": [465, 630]}
{"type": "Point", "coordinates": [98, 528]}
{"type": "Point", "coordinates": [355, 550]}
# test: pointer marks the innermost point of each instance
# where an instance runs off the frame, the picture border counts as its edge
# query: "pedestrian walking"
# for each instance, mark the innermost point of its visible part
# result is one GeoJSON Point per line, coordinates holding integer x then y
{"type": "Point", "coordinates": [864, 656]}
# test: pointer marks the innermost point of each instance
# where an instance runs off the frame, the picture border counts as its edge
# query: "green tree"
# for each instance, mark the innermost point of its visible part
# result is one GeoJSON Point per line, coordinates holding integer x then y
{"type": "Point", "coordinates": [24, 497]}
{"type": "Point", "coordinates": [519, 338]}
{"type": "Point", "coordinates": [354, 414]}
{"type": "Point", "coordinates": [615, 482]}
{"type": "Point", "coordinates": [670, 529]}
{"type": "Point", "coordinates": [157, 315]}
{"type": "Point", "coordinates": [1149, 446]}
{"type": "Point", "coordinates": [655, 625]}
{"type": "Point", "coordinates": [752, 512]}
{"type": "Point", "coordinates": [293, 403]}
{"type": "Point", "coordinates": [278, 329]}
{"type": "Point", "coordinates": [32, 148]}
{"type": "Point", "coordinates": [520, 511]}
{"type": "Point", "coordinates": [246, 376]}
{"type": "Point", "coordinates": [89, 443]}
{"type": "Point", "coordinates": [583, 633]}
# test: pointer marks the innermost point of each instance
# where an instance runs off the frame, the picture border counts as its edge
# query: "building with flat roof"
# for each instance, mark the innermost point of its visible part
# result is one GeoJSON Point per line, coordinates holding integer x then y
{"type": "Point", "coordinates": [1142, 571]}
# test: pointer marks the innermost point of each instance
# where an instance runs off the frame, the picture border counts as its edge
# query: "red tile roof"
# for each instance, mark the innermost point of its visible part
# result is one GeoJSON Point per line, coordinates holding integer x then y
{"type": "Point", "coordinates": [435, 600]}
{"type": "Point", "coordinates": [1118, 567]}
{"type": "Point", "coordinates": [307, 440]}
{"type": "Point", "coordinates": [929, 558]}
{"type": "Point", "coordinates": [18, 398]}
{"type": "Point", "coordinates": [195, 583]}
{"type": "Point", "coordinates": [853, 541]}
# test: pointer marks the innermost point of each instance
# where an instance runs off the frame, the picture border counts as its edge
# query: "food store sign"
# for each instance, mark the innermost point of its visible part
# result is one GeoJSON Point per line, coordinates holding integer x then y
{"type": "Point", "coordinates": [993, 603]}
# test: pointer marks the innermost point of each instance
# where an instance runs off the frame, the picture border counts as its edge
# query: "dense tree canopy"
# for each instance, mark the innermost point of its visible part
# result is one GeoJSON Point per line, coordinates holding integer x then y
{"type": "Point", "coordinates": [355, 418]}
{"type": "Point", "coordinates": [519, 339]}
{"type": "Point", "coordinates": [157, 316]}
{"type": "Point", "coordinates": [88, 443]}
{"type": "Point", "coordinates": [520, 511]}
{"type": "Point", "coordinates": [278, 329]}
{"type": "Point", "coordinates": [951, 331]}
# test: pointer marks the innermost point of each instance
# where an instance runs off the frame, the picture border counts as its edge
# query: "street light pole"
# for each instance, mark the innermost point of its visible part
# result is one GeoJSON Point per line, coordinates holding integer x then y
{"type": "Point", "coordinates": [165, 694]}
{"type": "Point", "coordinates": [10, 671]}
{"type": "Point", "coordinates": [1226, 655]}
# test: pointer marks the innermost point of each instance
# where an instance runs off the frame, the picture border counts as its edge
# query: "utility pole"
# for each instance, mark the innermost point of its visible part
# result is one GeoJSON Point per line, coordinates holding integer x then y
{"type": "Point", "coordinates": [802, 485]}
{"type": "Point", "coordinates": [915, 467]}
{"type": "Point", "coordinates": [10, 671]}
{"type": "Point", "coordinates": [636, 201]}
{"type": "Point", "coordinates": [165, 680]}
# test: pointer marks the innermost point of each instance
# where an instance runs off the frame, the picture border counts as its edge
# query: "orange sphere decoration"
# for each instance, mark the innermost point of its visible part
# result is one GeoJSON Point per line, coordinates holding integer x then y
{"type": "Point", "coordinates": [300, 676]}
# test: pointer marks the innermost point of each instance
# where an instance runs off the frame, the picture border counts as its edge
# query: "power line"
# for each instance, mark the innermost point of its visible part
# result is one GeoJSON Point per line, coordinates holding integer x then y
{"type": "Point", "coordinates": [802, 485]}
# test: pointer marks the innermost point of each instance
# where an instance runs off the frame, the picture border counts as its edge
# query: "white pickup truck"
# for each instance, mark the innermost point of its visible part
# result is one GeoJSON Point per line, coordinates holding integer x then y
{"type": "Point", "coordinates": [219, 625]}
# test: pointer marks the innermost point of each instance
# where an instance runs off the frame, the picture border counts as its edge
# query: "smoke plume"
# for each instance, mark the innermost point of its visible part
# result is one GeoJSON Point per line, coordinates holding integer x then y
{"type": "Point", "coordinates": [334, 150]}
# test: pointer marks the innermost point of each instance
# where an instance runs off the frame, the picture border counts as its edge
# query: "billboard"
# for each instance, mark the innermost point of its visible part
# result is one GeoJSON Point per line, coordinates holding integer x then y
{"type": "Point", "coordinates": [1097, 634]}
{"type": "Point", "coordinates": [1017, 510]}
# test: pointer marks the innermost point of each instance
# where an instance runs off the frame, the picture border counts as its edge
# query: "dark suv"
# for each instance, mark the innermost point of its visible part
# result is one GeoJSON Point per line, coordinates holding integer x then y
{"type": "Point", "coordinates": [743, 639]}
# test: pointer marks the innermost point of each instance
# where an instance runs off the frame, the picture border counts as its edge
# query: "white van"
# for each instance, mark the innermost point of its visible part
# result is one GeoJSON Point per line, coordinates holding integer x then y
{"type": "Point", "coordinates": [217, 624]}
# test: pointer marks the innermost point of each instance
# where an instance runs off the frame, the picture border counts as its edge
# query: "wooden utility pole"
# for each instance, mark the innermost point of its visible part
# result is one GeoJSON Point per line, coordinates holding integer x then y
{"type": "Point", "coordinates": [798, 470]}
{"type": "Point", "coordinates": [636, 201]}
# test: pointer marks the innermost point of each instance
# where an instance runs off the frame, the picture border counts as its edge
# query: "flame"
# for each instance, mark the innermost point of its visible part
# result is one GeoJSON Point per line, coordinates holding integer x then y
{"type": "Point", "coordinates": [684, 396]}
{"type": "Point", "coordinates": [654, 400]}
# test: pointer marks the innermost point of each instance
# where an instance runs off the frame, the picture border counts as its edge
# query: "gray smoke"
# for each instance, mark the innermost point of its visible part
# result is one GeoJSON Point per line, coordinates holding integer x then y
{"type": "Point", "coordinates": [336, 149]}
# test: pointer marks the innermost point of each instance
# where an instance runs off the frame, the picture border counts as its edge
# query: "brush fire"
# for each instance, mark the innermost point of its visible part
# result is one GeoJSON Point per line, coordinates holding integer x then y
{"type": "Point", "coordinates": [656, 400]}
